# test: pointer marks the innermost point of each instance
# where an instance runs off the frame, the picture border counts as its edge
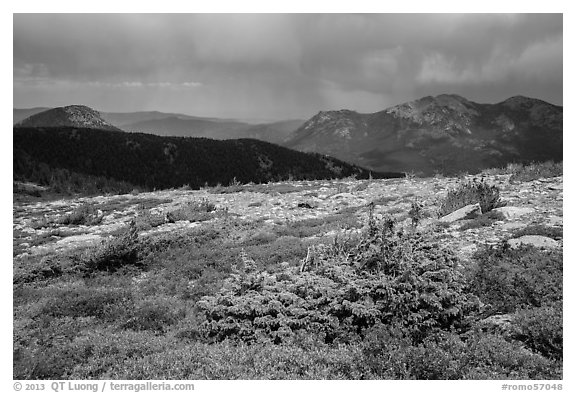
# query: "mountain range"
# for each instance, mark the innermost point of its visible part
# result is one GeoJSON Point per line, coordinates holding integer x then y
{"type": "Point", "coordinates": [73, 148]}
{"type": "Point", "coordinates": [443, 134]}
{"type": "Point", "coordinates": [446, 134]}
{"type": "Point", "coordinates": [170, 124]}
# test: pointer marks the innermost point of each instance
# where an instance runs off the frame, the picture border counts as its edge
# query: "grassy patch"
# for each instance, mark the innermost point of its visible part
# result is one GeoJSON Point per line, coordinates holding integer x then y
{"type": "Point", "coordinates": [345, 219]}
{"type": "Point", "coordinates": [123, 203]}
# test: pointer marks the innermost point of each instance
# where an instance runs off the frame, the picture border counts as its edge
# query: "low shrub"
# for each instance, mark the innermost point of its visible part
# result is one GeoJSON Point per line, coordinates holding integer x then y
{"type": "Point", "coordinates": [93, 354]}
{"type": "Point", "coordinates": [43, 222]}
{"type": "Point", "coordinates": [147, 220]}
{"type": "Point", "coordinates": [469, 193]}
{"type": "Point", "coordinates": [416, 212]}
{"type": "Point", "coordinates": [192, 211]}
{"type": "Point", "coordinates": [507, 278]}
{"type": "Point", "coordinates": [85, 214]}
{"type": "Point", "coordinates": [540, 328]}
{"type": "Point", "coordinates": [303, 359]}
{"type": "Point", "coordinates": [82, 301]}
{"type": "Point", "coordinates": [112, 254]}
{"type": "Point", "coordinates": [389, 354]}
{"type": "Point", "coordinates": [534, 171]}
{"type": "Point", "coordinates": [155, 314]}
{"type": "Point", "coordinates": [34, 268]}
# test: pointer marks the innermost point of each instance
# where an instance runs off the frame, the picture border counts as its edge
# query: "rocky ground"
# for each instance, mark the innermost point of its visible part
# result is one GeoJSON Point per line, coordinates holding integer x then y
{"type": "Point", "coordinates": [39, 227]}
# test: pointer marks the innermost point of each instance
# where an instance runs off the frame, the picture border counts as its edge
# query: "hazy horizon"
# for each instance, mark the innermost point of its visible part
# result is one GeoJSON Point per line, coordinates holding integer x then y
{"type": "Point", "coordinates": [281, 66]}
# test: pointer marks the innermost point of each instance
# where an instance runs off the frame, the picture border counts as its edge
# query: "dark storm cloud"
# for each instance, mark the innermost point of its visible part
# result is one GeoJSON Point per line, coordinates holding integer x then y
{"type": "Point", "coordinates": [282, 65]}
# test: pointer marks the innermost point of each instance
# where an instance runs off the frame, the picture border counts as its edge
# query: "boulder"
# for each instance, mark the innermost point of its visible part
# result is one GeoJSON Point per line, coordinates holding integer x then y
{"type": "Point", "coordinates": [511, 212]}
{"type": "Point", "coordinates": [534, 240]}
{"type": "Point", "coordinates": [466, 212]}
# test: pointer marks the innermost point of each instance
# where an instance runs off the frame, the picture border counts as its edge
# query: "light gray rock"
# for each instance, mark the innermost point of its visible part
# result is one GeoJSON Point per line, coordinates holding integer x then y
{"type": "Point", "coordinates": [534, 240]}
{"type": "Point", "coordinates": [84, 239]}
{"type": "Point", "coordinates": [466, 212]}
{"type": "Point", "coordinates": [513, 225]}
{"type": "Point", "coordinates": [555, 221]}
{"type": "Point", "coordinates": [512, 212]}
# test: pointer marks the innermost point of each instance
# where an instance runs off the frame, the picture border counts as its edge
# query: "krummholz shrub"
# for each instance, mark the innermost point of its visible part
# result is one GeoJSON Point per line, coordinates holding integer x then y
{"type": "Point", "coordinates": [112, 254]}
{"type": "Point", "coordinates": [385, 277]}
{"type": "Point", "coordinates": [469, 193]}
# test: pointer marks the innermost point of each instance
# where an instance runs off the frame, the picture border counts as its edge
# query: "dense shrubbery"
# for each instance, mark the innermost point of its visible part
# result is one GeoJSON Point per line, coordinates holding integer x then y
{"type": "Point", "coordinates": [389, 354]}
{"type": "Point", "coordinates": [507, 278]}
{"type": "Point", "coordinates": [385, 277]}
{"type": "Point", "coordinates": [541, 328]}
{"type": "Point", "coordinates": [469, 193]}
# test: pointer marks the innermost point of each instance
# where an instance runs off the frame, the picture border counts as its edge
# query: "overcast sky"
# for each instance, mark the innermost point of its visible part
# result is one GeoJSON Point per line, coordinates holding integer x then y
{"type": "Point", "coordinates": [280, 66]}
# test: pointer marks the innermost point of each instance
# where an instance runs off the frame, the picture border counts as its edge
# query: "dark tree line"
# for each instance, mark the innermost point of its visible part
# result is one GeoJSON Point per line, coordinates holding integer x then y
{"type": "Point", "coordinates": [117, 159]}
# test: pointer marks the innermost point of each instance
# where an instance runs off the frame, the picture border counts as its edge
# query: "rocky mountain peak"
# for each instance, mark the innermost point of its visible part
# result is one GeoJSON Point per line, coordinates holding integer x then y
{"type": "Point", "coordinates": [445, 133]}
{"type": "Point", "coordinates": [434, 109]}
{"type": "Point", "coordinates": [517, 102]}
{"type": "Point", "coordinates": [68, 116]}
{"type": "Point", "coordinates": [337, 123]}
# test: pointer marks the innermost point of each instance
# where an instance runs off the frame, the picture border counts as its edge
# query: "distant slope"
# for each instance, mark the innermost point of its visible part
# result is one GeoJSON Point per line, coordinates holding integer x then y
{"type": "Point", "coordinates": [68, 116]}
{"type": "Point", "coordinates": [214, 128]}
{"type": "Point", "coordinates": [447, 133]}
{"type": "Point", "coordinates": [192, 127]}
{"type": "Point", "coordinates": [152, 161]}
{"type": "Point", "coordinates": [276, 132]}
{"type": "Point", "coordinates": [120, 119]}
{"type": "Point", "coordinates": [171, 124]}
{"type": "Point", "coordinates": [20, 114]}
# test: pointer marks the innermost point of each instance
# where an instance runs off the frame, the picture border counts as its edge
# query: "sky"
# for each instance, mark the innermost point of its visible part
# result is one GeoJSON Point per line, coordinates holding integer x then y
{"type": "Point", "coordinates": [281, 66]}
